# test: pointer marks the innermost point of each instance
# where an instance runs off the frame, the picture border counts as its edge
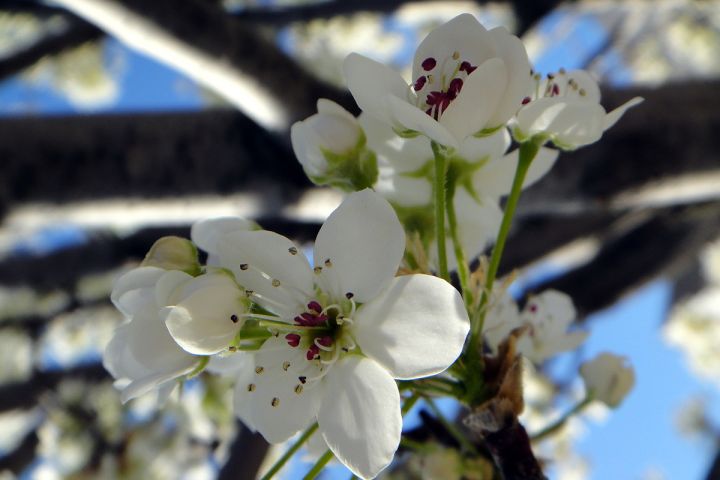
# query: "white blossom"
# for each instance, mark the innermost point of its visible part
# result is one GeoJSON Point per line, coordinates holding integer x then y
{"type": "Point", "coordinates": [565, 108]}
{"type": "Point", "coordinates": [466, 80]}
{"type": "Point", "coordinates": [608, 378]}
{"type": "Point", "coordinates": [353, 328]}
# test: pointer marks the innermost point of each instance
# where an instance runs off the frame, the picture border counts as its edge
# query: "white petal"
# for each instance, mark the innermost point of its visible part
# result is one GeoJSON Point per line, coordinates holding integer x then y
{"type": "Point", "coordinates": [571, 122]}
{"type": "Point", "coordinates": [151, 345]}
{"type": "Point", "coordinates": [415, 328]}
{"type": "Point", "coordinates": [201, 323]}
{"type": "Point", "coordinates": [585, 82]}
{"type": "Point", "coordinates": [370, 82]}
{"type": "Point", "coordinates": [231, 364]}
{"type": "Point", "coordinates": [412, 118]}
{"type": "Point", "coordinates": [364, 243]}
{"type": "Point", "coordinates": [496, 178]}
{"type": "Point", "coordinates": [206, 233]}
{"type": "Point", "coordinates": [463, 34]}
{"type": "Point", "coordinates": [292, 411]}
{"type": "Point", "coordinates": [167, 289]}
{"type": "Point", "coordinates": [329, 107]}
{"type": "Point", "coordinates": [512, 52]}
{"type": "Point", "coordinates": [612, 117]}
{"type": "Point", "coordinates": [133, 290]}
{"type": "Point", "coordinates": [477, 101]}
{"type": "Point", "coordinates": [404, 154]}
{"type": "Point", "coordinates": [474, 149]}
{"type": "Point", "coordinates": [404, 191]}
{"type": "Point", "coordinates": [269, 257]}
{"type": "Point", "coordinates": [478, 224]}
{"type": "Point", "coordinates": [360, 415]}
{"type": "Point", "coordinates": [554, 305]}
{"type": "Point", "coordinates": [143, 385]}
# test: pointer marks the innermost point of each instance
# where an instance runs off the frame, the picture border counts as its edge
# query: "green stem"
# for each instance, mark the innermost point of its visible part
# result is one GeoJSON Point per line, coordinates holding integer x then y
{"type": "Point", "coordinates": [451, 428]}
{"type": "Point", "coordinates": [286, 327]}
{"type": "Point", "coordinates": [462, 267]}
{"type": "Point", "coordinates": [319, 465]}
{"type": "Point", "coordinates": [290, 452]}
{"type": "Point", "coordinates": [439, 188]}
{"type": "Point", "coordinates": [557, 425]}
{"type": "Point", "coordinates": [528, 151]}
{"type": "Point", "coordinates": [409, 403]}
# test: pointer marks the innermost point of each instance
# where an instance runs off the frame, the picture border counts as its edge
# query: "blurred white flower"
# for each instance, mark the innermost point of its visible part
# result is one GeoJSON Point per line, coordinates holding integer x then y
{"type": "Point", "coordinates": [608, 378]}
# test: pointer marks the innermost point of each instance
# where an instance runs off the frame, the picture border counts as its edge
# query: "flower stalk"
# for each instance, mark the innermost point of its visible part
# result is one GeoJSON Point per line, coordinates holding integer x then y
{"type": "Point", "coordinates": [440, 190]}
{"type": "Point", "coordinates": [558, 424]}
{"type": "Point", "coordinates": [290, 452]}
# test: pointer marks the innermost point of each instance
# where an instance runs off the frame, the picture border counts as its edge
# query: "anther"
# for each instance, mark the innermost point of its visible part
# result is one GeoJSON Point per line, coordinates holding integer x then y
{"type": "Point", "coordinates": [302, 379]}
{"type": "Point", "coordinates": [582, 92]}
{"type": "Point", "coordinates": [293, 339]}
{"type": "Point", "coordinates": [550, 76]}
{"type": "Point", "coordinates": [275, 402]}
{"type": "Point", "coordinates": [292, 250]}
{"type": "Point", "coordinates": [349, 295]}
{"type": "Point", "coordinates": [526, 100]}
{"type": "Point", "coordinates": [232, 348]}
{"type": "Point", "coordinates": [298, 389]}
{"type": "Point", "coordinates": [286, 365]}
{"type": "Point", "coordinates": [456, 55]}
{"type": "Point", "coordinates": [259, 370]}
{"type": "Point", "coordinates": [244, 266]}
{"type": "Point", "coordinates": [251, 387]}
{"type": "Point", "coordinates": [328, 263]}
{"type": "Point", "coordinates": [275, 282]}
{"type": "Point", "coordinates": [317, 269]}
{"type": "Point", "coordinates": [315, 307]}
{"type": "Point", "coordinates": [249, 293]}
{"type": "Point", "coordinates": [428, 64]}
{"type": "Point", "coordinates": [234, 318]}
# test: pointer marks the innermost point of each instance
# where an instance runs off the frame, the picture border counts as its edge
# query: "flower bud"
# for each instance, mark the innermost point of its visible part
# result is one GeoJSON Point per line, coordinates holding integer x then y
{"type": "Point", "coordinates": [330, 145]}
{"type": "Point", "coordinates": [173, 253]}
{"type": "Point", "coordinates": [608, 378]}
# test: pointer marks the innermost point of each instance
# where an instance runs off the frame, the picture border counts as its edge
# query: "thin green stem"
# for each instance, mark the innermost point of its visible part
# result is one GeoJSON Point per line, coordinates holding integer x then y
{"type": "Point", "coordinates": [528, 151]}
{"type": "Point", "coordinates": [557, 425]}
{"type": "Point", "coordinates": [409, 403]}
{"type": "Point", "coordinates": [451, 428]}
{"type": "Point", "coordinates": [290, 452]}
{"type": "Point", "coordinates": [439, 188]}
{"type": "Point", "coordinates": [286, 327]}
{"type": "Point", "coordinates": [319, 465]}
{"type": "Point", "coordinates": [462, 267]}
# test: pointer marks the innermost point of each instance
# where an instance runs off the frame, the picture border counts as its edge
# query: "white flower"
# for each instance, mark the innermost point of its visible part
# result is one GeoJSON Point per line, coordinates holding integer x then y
{"type": "Point", "coordinates": [142, 355]}
{"type": "Point", "coordinates": [483, 172]}
{"type": "Point", "coordinates": [566, 108]}
{"type": "Point", "coordinates": [353, 328]}
{"type": "Point", "coordinates": [545, 319]}
{"type": "Point", "coordinates": [548, 317]}
{"type": "Point", "coordinates": [608, 378]}
{"type": "Point", "coordinates": [466, 80]}
{"type": "Point", "coordinates": [330, 147]}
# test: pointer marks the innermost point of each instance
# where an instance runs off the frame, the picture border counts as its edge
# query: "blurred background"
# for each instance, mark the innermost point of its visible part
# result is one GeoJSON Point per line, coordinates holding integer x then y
{"type": "Point", "coordinates": [125, 120]}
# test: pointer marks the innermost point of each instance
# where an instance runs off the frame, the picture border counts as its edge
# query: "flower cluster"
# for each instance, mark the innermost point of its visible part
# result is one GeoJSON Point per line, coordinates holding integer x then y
{"type": "Point", "coordinates": [344, 342]}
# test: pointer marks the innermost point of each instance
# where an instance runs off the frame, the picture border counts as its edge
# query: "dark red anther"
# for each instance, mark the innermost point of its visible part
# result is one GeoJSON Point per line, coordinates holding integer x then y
{"type": "Point", "coordinates": [325, 341]}
{"type": "Point", "coordinates": [314, 306]}
{"type": "Point", "coordinates": [466, 67]}
{"type": "Point", "coordinates": [533, 308]}
{"type": "Point", "coordinates": [313, 351]}
{"type": "Point", "coordinates": [420, 83]}
{"type": "Point", "coordinates": [293, 339]}
{"type": "Point", "coordinates": [428, 64]}
{"type": "Point", "coordinates": [455, 86]}
{"type": "Point", "coordinates": [555, 90]}
{"type": "Point", "coordinates": [526, 100]}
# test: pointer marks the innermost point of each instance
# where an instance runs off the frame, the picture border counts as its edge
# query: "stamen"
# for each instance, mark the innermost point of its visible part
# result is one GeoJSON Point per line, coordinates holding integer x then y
{"type": "Point", "coordinates": [317, 270]}
{"type": "Point", "coordinates": [313, 352]}
{"type": "Point", "coordinates": [315, 306]}
{"type": "Point", "coordinates": [302, 379]}
{"type": "Point", "coordinates": [328, 263]}
{"type": "Point", "coordinates": [324, 343]}
{"type": "Point", "coordinates": [275, 402]}
{"type": "Point", "coordinates": [349, 295]}
{"type": "Point", "coordinates": [286, 365]}
{"type": "Point", "coordinates": [259, 370]}
{"type": "Point", "coordinates": [251, 387]}
{"type": "Point", "coordinates": [420, 83]}
{"type": "Point", "coordinates": [234, 318]}
{"type": "Point", "coordinates": [298, 389]}
{"type": "Point", "coordinates": [293, 339]}
{"type": "Point", "coordinates": [428, 64]}
{"type": "Point", "coordinates": [526, 100]}
{"type": "Point", "coordinates": [293, 250]}
{"type": "Point", "coordinates": [275, 282]}
{"type": "Point", "coordinates": [244, 266]}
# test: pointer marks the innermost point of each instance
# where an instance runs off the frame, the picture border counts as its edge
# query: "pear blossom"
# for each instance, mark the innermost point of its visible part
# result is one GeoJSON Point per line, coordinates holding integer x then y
{"type": "Point", "coordinates": [465, 80]}
{"type": "Point", "coordinates": [483, 170]}
{"type": "Point", "coordinates": [565, 108]}
{"type": "Point", "coordinates": [346, 329]}
{"type": "Point", "coordinates": [544, 322]}
{"type": "Point", "coordinates": [142, 355]}
{"type": "Point", "coordinates": [330, 147]}
{"type": "Point", "coordinates": [608, 378]}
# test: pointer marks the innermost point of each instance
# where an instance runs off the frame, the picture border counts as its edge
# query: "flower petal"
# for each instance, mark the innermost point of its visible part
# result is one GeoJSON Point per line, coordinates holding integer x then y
{"type": "Point", "coordinates": [206, 233]}
{"type": "Point", "coordinates": [273, 398]}
{"type": "Point", "coordinates": [133, 290]}
{"type": "Point", "coordinates": [496, 178]}
{"type": "Point", "coordinates": [258, 258]}
{"type": "Point", "coordinates": [612, 117]}
{"type": "Point", "coordinates": [360, 415]}
{"type": "Point", "coordinates": [370, 82]}
{"type": "Point", "coordinates": [415, 328]}
{"type": "Point", "coordinates": [470, 111]}
{"type": "Point", "coordinates": [512, 52]}
{"type": "Point", "coordinates": [359, 247]}
{"type": "Point", "coordinates": [463, 34]}
{"type": "Point", "coordinates": [571, 123]}
{"type": "Point", "coordinates": [412, 118]}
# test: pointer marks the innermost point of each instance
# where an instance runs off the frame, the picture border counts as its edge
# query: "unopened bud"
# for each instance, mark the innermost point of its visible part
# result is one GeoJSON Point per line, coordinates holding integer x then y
{"type": "Point", "coordinates": [608, 378]}
{"type": "Point", "coordinates": [173, 253]}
